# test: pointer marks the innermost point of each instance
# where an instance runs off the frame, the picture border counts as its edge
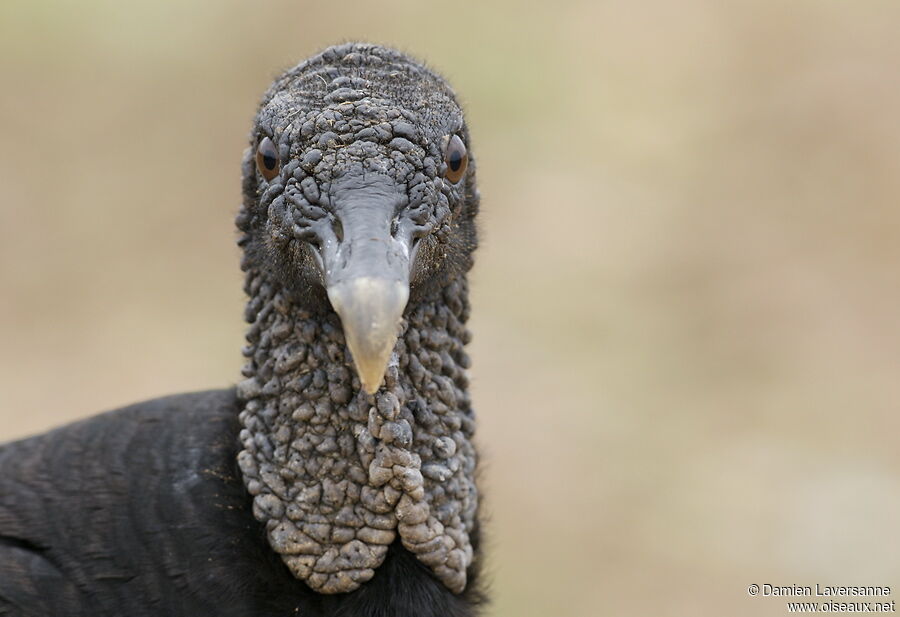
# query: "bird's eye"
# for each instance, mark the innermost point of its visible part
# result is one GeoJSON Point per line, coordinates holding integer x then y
{"type": "Point", "coordinates": [456, 158]}
{"type": "Point", "coordinates": [267, 158]}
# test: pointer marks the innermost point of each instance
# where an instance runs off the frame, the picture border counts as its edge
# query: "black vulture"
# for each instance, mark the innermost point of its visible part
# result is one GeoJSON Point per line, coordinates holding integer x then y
{"type": "Point", "coordinates": [337, 477]}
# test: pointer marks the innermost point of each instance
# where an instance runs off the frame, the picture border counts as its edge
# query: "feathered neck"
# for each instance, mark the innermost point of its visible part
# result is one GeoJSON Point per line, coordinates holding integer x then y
{"type": "Point", "coordinates": [337, 474]}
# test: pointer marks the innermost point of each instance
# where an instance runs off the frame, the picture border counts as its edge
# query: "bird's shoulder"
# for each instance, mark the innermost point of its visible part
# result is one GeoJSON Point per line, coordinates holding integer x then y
{"type": "Point", "coordinates": [139, 506]}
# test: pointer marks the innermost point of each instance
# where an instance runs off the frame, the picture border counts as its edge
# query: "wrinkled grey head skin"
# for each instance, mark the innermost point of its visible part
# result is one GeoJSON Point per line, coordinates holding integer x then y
{"type": "Point", "coordinates": [357, 421]}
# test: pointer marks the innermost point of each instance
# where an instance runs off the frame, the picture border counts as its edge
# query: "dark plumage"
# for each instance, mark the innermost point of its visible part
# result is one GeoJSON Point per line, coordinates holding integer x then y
{"type": "Point", "coordinates": [337, 479]}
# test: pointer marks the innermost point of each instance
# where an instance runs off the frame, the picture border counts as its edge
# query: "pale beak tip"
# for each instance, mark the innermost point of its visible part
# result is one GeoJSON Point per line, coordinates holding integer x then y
{"type": "Point", "coordinates": [369, 387]}
{"type": "Point", "coordinates": [370, 310]}
{"type": "Point", "coordinates": [371, 369]}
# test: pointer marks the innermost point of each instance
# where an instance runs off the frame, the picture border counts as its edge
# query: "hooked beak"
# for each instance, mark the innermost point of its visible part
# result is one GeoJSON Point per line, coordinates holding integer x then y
{"type": "Point", "coordinates": [370, 310]}
{"type": "Point", "coordinates": [367, 272]}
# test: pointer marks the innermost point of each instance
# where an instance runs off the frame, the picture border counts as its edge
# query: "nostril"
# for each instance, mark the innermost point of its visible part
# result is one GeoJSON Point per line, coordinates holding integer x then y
{"type": "Point", "coordinates": [338, 228]}
{"type": "Point", "coordinates": [395, 226]}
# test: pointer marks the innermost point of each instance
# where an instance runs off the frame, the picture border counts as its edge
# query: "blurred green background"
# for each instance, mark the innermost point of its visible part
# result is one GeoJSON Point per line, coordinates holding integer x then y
{"type": "Point", "coordinates": [686, 303]}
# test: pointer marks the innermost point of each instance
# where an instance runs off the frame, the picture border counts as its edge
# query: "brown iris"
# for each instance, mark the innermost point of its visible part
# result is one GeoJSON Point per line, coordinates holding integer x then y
{"type": "Point", "coordinates": [456, 158]}
{"type": "Point", "coordinates": [267, 158]}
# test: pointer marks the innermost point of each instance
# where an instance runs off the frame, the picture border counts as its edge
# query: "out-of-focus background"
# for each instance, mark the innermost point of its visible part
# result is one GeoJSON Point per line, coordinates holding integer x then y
{"type": "Point", "coordinates": [686, 303]}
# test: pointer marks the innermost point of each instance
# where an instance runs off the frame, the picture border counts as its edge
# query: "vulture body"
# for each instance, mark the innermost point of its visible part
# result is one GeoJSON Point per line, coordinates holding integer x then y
{"type": "Point", "coordinates": [337, 477]}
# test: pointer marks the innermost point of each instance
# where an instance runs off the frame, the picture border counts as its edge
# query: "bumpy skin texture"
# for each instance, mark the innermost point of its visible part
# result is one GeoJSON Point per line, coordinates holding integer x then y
{"type": "Point", "coordinates": [336, 473]}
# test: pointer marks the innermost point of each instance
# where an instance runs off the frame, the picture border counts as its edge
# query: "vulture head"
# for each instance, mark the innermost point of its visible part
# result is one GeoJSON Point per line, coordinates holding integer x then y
{"type": "Point", "coordinates": [359, 192]}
